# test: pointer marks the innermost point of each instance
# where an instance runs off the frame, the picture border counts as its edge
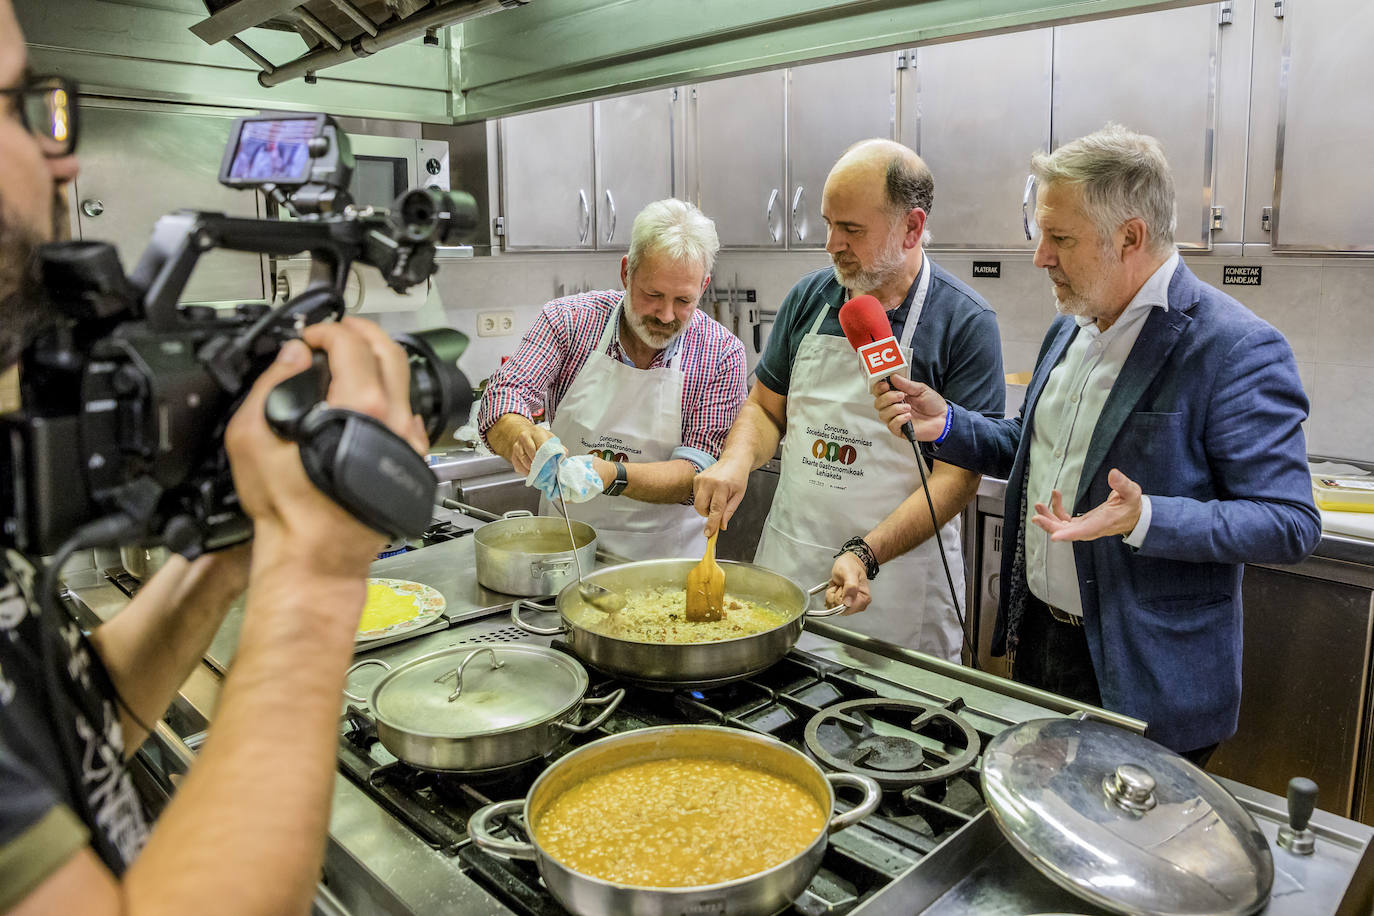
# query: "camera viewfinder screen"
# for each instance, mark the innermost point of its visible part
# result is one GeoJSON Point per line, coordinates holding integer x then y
{"type": "Point", "coordinates": [275, 151]}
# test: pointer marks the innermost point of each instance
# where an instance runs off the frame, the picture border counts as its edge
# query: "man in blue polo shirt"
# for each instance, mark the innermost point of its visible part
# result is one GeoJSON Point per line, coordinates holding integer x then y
{"type": "Point", "coordinates": [849, 501]}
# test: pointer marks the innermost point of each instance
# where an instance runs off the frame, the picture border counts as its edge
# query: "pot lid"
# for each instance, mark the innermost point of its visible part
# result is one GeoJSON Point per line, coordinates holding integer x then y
{"type": "Point", "coordinates": [479, 689]}
{"type": "Point", "coordinates": [1124, 822]}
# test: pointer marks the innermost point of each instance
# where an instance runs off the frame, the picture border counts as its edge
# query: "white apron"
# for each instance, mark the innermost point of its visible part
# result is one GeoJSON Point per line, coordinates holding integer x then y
{"type": "Point", "coordinates": [624, 413]}
{"type": "Point", "coordinates": [842, 473]}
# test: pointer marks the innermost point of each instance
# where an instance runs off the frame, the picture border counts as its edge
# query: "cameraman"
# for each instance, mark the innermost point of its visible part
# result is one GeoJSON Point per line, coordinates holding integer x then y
{"type": "Point", "coordinates": [245, 831]}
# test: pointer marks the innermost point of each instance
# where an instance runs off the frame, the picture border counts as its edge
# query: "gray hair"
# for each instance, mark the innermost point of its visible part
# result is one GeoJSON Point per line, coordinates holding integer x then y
{"type": "Point", "coordinates": [676, 229]}
{"type": "Point", "coordinates": [1123, 175]}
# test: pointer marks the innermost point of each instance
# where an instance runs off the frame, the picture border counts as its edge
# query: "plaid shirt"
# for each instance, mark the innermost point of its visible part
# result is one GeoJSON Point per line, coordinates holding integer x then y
{"type": "Point", "coordinates": [557, 346]}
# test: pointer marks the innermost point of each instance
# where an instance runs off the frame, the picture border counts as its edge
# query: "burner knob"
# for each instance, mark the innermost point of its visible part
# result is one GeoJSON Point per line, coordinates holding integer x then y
{"type": "Point", "coordinates": [1302, 798]}
{"type": "Point", "coordinates": [1131, 787]}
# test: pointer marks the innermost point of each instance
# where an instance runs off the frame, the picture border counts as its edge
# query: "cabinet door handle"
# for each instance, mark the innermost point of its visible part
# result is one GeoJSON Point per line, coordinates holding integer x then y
{"type": "Point", "coordinates": [798, 224]}
{"type": "Point", "coordinates": [585, 222]}
{"type": "Point", "coordinates": [610, 205]}
{"type": "Point", "coordinates": [768, 215]}
{"type": "Point", "coordinates": [1025, 206]}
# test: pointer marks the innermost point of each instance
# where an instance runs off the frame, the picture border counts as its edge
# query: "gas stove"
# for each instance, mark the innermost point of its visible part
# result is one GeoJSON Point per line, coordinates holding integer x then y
{"type": "Point", "coordinates": [399, 842]}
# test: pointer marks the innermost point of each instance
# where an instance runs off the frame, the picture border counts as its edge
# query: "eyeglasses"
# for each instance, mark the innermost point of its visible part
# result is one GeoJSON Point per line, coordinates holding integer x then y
{"type": "Point", "coordinates": [47, 107]}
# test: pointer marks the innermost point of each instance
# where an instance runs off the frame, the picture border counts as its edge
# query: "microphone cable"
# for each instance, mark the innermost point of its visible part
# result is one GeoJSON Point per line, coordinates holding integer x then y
{"type": "Point", "coordinates": [910, 432]}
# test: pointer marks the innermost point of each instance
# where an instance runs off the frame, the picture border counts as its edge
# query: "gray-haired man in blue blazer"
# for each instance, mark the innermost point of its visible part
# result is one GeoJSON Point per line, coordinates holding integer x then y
{"type": "Point", "coordinates": [1172, 416]}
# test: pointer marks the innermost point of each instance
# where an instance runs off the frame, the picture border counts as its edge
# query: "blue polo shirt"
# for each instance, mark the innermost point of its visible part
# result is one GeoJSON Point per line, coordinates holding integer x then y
{"type": "Point", "coordinates": [956, 349]}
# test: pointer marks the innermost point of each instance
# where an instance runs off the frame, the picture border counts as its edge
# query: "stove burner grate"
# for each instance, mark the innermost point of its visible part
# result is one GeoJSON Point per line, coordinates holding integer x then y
{"type": "Point", "coordinates": [881, 738]}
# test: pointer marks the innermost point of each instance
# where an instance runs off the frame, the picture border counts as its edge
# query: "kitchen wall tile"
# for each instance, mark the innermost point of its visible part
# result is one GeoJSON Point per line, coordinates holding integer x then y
{"type": "Point", "coordinates": [1342, 424]}
{"type": "Point", "coordinates": [1345, 324]}
{"type": "Point", "coordinates": [1290, 299]}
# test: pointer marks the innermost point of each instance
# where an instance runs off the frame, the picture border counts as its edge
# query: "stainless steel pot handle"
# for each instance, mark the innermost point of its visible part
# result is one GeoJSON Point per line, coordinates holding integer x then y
{"type": "Point", "coordinates": [873, 794]}
{"type": "Point", "coordinates": [354, 667]}
{"type": "Point", "coordinates": [528, 627]}
{"type": "Point", "coordinates": [480, 832]}
{"type": "Point", "coordinates": [518, 513]}
{"type": "Point", "coordinates": [611, 701]}
{"type": "Point", "coordinates": [540, 567]}
{"type": "Point", "coordinates": [457, 673]}
{"type": "Point", "coordinates": [827, 612]}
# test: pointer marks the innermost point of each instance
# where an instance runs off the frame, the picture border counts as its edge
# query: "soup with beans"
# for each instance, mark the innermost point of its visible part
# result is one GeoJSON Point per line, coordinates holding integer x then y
{"type": "Point", "coordinates": [680, 822]}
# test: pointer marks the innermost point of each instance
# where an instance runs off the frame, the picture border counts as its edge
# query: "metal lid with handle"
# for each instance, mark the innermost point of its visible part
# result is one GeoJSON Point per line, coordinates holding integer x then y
{"type": "Point", "coordinates": [1124, 822]}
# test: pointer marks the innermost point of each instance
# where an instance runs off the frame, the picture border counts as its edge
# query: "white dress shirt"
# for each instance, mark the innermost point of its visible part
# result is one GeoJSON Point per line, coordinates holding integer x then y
{"type": "Point", "coordinates": [1064, 419]}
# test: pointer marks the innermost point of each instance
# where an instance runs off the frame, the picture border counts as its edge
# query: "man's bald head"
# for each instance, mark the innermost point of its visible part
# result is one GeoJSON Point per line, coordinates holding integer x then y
{"type": "Point", "coordinates": [907, 182]}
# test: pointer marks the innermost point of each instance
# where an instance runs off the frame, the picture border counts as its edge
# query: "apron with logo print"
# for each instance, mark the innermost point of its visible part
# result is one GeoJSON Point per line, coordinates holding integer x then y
{"type": "Point", "coordinates": [624, 413]}
{"type": "Point", "coordinates": [842, 473]}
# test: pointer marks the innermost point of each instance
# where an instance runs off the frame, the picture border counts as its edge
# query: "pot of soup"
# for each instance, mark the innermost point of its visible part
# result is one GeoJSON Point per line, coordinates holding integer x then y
{"type": "Point", "coordinates": [531, 555]}
{"type": "Point", "coordinates": [650, 641]}
{"type": "Point", "coordinates": [677, 819]}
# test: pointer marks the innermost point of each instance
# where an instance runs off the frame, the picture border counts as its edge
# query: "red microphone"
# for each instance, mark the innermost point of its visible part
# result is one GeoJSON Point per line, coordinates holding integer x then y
{"type": "Point", "coordinates": [869, 332]}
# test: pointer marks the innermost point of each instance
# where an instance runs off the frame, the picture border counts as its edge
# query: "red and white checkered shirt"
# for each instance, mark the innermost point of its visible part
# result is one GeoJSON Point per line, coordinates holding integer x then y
{"type": "Point", "coordinates": [556, 347]}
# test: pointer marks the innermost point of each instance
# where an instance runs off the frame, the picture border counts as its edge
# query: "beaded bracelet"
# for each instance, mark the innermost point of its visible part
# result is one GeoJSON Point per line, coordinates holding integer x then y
{"type": "Point", "coordinates": [859, 547]}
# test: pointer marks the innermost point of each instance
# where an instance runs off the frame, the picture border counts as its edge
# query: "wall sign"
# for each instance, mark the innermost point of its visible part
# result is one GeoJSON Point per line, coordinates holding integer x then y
{"type": "Point", "coordinates": [987, 269]}
{"type": "Point", "coordinates": [1236, 275]}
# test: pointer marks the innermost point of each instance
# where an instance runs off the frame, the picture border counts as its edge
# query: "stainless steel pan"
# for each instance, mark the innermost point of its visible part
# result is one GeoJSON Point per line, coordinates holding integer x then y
{"type": "Point", "coordinates": [481, 706]}
{"type": "Point", "coordinates": [505, 565]}
{"type": "Point", "coordinates": [675, 664]}
{"type": "Point", "coordinates": [767, 891]}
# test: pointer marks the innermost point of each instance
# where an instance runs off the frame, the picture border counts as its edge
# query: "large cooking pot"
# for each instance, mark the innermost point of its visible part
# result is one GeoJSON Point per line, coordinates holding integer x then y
{"type": "Point", "coordinates": [682, 664]}
{"type": "Point", "coordinates": [765, 892]}
{"type": "Point", "coordinates": [520, 553]}
{"type": "Point", "coordinates": [480, 707]}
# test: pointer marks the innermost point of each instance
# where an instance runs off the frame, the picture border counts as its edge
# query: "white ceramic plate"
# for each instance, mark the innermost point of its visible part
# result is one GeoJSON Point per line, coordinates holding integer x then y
{"type": "Point", "coordinates": [427, 602]}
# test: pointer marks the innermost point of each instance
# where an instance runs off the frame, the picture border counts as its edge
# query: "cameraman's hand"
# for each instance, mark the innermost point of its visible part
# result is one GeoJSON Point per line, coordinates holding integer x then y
{"type": "Point", "coordinates": [293, 521]}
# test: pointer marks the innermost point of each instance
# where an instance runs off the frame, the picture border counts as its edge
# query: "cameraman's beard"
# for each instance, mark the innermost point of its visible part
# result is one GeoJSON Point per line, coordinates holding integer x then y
{"type": "Point", "coordinates": [23, 300]}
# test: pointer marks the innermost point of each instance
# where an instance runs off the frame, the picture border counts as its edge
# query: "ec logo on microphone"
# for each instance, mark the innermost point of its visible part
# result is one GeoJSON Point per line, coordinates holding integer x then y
{"type": "Point", "coordinates": [833, 452]}
{"type": "Point", "coordinates": [882, 357]}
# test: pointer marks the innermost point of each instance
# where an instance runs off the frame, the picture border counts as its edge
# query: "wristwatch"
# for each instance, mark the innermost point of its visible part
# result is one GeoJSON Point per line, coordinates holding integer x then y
{"type": "Point", "coordinates": [617, 486]}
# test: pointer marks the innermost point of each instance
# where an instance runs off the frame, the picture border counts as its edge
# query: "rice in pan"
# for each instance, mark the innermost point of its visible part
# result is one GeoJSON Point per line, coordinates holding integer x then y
{"type": "Point", "coordinates": [659, 615]}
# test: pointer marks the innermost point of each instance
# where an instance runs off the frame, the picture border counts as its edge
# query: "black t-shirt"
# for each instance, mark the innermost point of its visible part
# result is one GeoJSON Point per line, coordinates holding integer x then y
{"type": "Point", "coordinates": [61, 746]}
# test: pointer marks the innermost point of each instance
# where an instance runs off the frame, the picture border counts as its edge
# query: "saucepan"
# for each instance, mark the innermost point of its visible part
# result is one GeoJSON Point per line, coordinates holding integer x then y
{"type": "Point", "coordinates": [764, 892]}
{"type": "Point", "coordinates": [520, 553]}
{"type": "Point", "coordinates": [702, 664]}
{"type": "Point", "coordinates": [481, 706]}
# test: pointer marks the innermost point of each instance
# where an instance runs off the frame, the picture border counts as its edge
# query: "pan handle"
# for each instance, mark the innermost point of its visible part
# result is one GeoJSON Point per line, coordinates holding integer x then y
{"type": "Point", "coordinates": [354, 667]}
{"type": "Point", "coordinates": [873, 794]}
{"type": "Point", "coordinates": [528, 627]}
{"type": "Point", "coordinates": [610, 701]}
{"type": "Point", "coordinates": [827, 612]}
{"type": "Point", "coordinates": [480, 831]}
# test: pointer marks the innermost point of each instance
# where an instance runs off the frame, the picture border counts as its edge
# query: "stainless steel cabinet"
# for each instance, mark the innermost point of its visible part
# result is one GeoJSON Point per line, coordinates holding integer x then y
{"type": "Point", "coordinates": [139, 164]}
{"type": "Point", "coordinates": [1155, 73]}
{"type": "Point", "coordinates": [636, 155]}
{"type": "Point", "coordinates": [548, 181]}
{"type": "Point", "coordinates": [1323, 198]}
{"type": "Point", "coordinates": [830, 107]}
{"type": "Point", "coordinates": [979, 109]}
{"type": "Point", "coordinates": [740, 159]}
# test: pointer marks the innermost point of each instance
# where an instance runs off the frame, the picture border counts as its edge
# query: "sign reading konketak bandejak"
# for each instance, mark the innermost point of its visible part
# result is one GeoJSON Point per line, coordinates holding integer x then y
{"type": "Point", "coordinates": [1241, 275]}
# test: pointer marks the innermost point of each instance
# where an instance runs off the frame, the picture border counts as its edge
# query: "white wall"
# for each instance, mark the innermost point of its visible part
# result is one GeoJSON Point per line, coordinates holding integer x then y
{"type": "Point", "coordinates": [1325, 307]}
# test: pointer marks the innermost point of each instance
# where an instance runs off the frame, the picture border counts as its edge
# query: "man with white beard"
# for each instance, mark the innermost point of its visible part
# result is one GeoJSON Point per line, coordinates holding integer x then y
{"type": "Point", "coordinates": [849, 500]}
{"type": "Point", "coordinates": [639, 380]}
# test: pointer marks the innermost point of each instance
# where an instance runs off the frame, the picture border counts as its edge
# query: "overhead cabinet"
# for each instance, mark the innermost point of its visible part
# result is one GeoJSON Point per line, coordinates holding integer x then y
{"type": "Point", "coordinates": [1326, 116]}
{"type": "Point", "coordinates": [574, 177]}
{"type": "Point", "coordinates": [138, 165]}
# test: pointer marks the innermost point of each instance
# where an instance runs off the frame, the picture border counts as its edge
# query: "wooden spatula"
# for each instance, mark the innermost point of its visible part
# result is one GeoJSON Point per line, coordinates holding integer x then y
{"type": "Point", "coordinates": [706, 587]}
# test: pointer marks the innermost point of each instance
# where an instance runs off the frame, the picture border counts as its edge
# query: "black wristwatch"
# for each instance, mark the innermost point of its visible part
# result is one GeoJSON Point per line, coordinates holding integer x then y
{"type": "Point", "coordinates": [859, 547]}
{"type": "Point", "coordinates": [617, 486]}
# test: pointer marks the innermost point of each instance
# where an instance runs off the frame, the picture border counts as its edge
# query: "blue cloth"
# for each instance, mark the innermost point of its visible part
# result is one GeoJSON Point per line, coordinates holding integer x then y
{"type": "Point", "coordinates": [956, 349]}
{"type": "Point", "coordinates": [1206, 416]}
{"type": "Point", "coordinates": [558, 477]}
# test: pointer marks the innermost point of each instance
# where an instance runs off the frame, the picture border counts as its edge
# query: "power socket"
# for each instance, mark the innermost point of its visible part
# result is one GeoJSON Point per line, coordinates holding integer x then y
{"type": "Point", "coordinates": [495, 324]}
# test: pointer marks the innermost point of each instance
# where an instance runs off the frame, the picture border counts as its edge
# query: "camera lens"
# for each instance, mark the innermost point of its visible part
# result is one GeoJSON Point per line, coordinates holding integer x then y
{"type": "Point", "coordinates": [435, 216]}
{"type": "Point", "coordinates": [439, 392]}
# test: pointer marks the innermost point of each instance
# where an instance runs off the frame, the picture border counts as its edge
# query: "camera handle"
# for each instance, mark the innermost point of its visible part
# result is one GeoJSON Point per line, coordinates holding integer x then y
{"type": "Point", "coordinates": [352, 458]}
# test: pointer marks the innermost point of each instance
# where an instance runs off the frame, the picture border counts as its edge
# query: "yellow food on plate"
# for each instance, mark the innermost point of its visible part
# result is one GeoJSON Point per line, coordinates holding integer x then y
{"type": "Point", "coordinates": [660, 615]}
{"type": "Point", "coordinates": [394, 601]}
{"type": "Point", "coordinates": [680, 822]}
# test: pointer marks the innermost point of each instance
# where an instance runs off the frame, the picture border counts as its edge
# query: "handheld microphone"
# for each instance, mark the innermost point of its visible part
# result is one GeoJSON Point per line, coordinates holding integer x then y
{"type": "Point", "coordinates": [865, 325]}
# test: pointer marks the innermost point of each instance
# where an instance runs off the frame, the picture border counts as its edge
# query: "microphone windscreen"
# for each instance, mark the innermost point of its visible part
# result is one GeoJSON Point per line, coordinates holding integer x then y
{"type": "Point", "coordinates": [864, 321]}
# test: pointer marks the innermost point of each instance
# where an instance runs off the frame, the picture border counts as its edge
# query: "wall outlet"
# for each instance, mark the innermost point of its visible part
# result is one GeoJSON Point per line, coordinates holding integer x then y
{"type": "Point", "coordinates": [495, 324]}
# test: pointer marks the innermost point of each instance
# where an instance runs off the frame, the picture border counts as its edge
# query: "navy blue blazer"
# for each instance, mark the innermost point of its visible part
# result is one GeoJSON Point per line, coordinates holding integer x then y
{"type": "Point", "coordinates": [1206, 416]}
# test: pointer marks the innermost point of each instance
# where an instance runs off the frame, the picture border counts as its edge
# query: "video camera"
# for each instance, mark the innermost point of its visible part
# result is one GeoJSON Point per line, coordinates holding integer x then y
{"type": "Point", "coordinates": [120, 438]}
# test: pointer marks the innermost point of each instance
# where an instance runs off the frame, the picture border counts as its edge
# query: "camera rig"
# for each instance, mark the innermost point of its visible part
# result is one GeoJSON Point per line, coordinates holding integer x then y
{"type": "Point", "coordinates": [127, 395]}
